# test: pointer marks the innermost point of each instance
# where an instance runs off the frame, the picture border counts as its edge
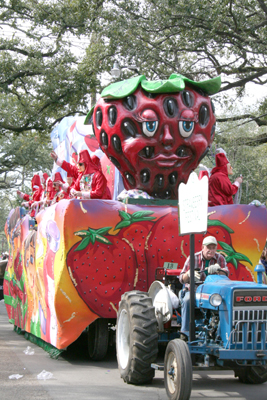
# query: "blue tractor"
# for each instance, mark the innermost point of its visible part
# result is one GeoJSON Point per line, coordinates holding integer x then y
{"type": "Point", "coordinates": [229, 332]}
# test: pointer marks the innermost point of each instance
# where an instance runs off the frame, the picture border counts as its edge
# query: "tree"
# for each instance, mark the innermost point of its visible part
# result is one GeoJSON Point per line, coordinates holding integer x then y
{"type": "Point", "coordinates": [46, 76]}
{"type": "Point", "coordinates": [42, 75]}
{"type": "Point", "coordinates": [198, 39]}
{"type": "Point", "coordinates": [20, 158]}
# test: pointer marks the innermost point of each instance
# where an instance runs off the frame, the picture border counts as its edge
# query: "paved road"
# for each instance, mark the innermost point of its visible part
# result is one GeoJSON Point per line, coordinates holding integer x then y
{"type": "Point", "coordinates": [74, 377]}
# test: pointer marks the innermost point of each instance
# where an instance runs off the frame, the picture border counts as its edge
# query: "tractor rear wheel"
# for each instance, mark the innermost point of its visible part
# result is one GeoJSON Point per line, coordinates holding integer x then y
{"type": "Point", "coordinates": [98, 339]}
{"type": "Point", "coordinates": [252, 375]}
{"type": "Point", "coordinates": [136, 337]}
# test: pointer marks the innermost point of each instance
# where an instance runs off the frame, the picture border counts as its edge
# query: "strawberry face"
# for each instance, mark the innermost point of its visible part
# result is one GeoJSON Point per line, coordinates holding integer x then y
{"type": "Point", "coordinates": [155, 140]}
{"type": "Point", "coordinates": [101, 269]}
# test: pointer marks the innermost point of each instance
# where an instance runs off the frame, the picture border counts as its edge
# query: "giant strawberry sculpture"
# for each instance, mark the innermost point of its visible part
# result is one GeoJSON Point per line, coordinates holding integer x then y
{"type": "Point", "coordinates": [156, 132]}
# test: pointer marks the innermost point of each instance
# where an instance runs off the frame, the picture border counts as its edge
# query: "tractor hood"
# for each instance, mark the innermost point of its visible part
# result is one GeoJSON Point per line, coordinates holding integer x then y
{"type": "Point", "coordinates": [246, 293]}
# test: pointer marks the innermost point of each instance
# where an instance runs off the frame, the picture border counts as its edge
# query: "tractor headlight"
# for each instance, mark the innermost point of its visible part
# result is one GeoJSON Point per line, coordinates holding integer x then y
{"type": "Point", "coordinates": [215, 300]}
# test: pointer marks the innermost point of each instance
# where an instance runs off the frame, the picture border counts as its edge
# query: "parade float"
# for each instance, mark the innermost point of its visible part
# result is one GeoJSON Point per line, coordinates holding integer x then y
{"type": "Point", "coordinates": [68, 274]}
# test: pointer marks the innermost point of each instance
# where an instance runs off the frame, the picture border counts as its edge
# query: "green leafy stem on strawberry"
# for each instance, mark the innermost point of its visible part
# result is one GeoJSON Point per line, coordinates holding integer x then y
{"type": "Point", "coordinates": [217, 223]}
{"type": "Point", "coordinates": [129, 219]}
{"type": "Point", "coordinates": [231, 255]}
{"type": "Point", "coordinates": [91, 236]}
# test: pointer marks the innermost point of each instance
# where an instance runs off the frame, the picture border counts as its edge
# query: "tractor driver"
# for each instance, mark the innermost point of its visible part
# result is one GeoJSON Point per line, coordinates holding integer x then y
{"type": "Point", "coordinates": [207, 261]}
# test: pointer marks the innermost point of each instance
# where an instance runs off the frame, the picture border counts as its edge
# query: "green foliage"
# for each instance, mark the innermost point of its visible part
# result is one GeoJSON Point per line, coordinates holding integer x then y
{"type": "Point", "coordinates": [20, 158]}
{"type": "Point", "coordinates": [52, 54]}
{"type": "Point", "coordinates": [191, 37]}
{"type": "Point", "coordinates": [40, 80]}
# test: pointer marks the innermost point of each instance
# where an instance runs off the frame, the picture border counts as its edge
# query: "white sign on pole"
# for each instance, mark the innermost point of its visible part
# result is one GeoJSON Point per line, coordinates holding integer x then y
{"type": "Point", "coordinates": [193, 205]}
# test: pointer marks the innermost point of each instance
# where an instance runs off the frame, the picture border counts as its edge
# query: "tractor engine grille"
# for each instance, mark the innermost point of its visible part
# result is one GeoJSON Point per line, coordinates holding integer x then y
{"type": "Point", "coordinates": [249, 321]}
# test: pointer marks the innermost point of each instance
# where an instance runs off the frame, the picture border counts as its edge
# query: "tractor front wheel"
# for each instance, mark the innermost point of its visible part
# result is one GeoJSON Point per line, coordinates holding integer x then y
{"type": "Point", "coordinates": [178, 370]}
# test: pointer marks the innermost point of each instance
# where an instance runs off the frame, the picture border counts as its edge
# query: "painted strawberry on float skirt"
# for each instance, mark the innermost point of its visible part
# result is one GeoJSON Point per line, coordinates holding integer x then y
{"type": "Point", "coordinates": [101, 269]}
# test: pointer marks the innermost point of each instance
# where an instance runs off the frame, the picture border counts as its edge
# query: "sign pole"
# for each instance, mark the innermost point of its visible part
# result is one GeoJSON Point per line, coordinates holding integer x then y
{"type": "Point", "coordinates": [192, 326]}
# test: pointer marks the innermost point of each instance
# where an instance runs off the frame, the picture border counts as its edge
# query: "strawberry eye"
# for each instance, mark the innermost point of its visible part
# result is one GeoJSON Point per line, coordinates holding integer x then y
{"type": "Point", "coordinates": [170, 107]}
{"type": "Point", "coordinates": [186, 128]}
{"type": "Point", "coordinates": [204, 115]}
{"type": "Point", "coordinates": [173, 178]}
{"type": "Point", "coordinates": [149, 128]}
{"type": "Point", "coordinates": [187, 98]}
{"type": "Point", "coordinates": [112, 116]}
{"type": "Point", "coordinates": [183, 152]}
{"type": "Point", "coordinates": [160, 180]}
{"type": "Point", "coordinates": [99, 118]}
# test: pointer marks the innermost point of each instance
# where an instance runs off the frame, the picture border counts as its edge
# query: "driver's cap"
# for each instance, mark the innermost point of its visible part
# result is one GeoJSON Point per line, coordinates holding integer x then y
{"type": "Point", "coordinates": [209, 240]}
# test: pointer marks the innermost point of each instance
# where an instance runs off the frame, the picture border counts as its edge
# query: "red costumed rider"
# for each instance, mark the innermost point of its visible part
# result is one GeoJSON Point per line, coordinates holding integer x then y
{"type": "Point", "coordinates": [57, 184]}
{"type": "Point", "coordinates": [221, 189]}
{"type": "Point", "coordinates": [37, 191]}
{"type": "Point", "coordinates": [90, 182]}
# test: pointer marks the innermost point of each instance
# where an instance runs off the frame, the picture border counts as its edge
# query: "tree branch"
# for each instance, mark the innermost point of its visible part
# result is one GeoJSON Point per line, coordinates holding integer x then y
{"type": "Point", "coordinates": [242, 82]}
{"type": "Point", "coordinates": [258, 119]}
{"type": "Point", "coordinates": [253, 142]}
{"type": "Point", "coordinates": [263, 6]}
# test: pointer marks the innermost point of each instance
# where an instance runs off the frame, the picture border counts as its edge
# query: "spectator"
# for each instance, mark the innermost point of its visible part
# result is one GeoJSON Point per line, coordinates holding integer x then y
{"type": "Point", "coordinates": [263, 259]}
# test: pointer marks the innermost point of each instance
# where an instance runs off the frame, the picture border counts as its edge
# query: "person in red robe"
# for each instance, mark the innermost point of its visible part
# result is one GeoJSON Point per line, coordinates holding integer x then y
{"type": "Point", "coordinates": [96, 161]}
{"type": "Point", "coordinates": [39, 205]}
{"type": "Point", "coordinates": [37, 191]}
{"type": "Point", "coordinates": [221, 189]}
{"type": "Point", "coordinates": [50, 191]}
{"type": "Point", "coordinates": [57, 185]}
{"type": "Point", "coordinates": [90, 182]}
{"type": "Point", "coordinates": [72, 172]}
